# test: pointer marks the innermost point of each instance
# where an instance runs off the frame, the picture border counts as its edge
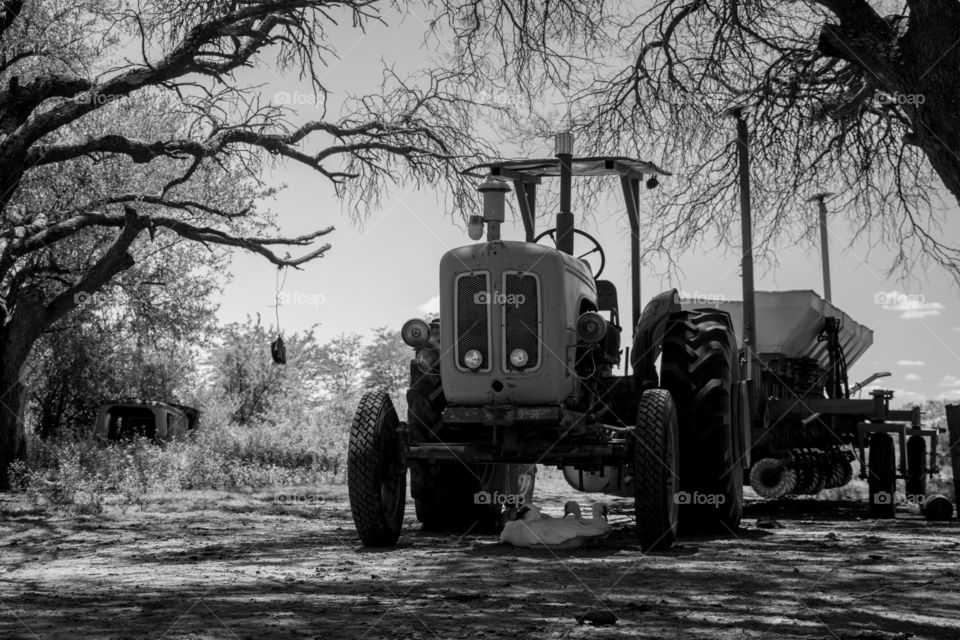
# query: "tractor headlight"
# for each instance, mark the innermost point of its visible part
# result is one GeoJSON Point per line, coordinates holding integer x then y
{"type": "Point", "coordinates": [519, 358]}
{"type": "Point", "coordinates": [415, 332]}
{"type": "Point", "coordinates": [591, 327]}
{"type": "Point", "coordinates": [473, 359]}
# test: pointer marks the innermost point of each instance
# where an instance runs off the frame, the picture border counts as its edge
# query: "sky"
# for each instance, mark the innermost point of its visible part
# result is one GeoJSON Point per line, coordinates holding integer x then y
{"type": "Point", "coordinates": [383, 270]}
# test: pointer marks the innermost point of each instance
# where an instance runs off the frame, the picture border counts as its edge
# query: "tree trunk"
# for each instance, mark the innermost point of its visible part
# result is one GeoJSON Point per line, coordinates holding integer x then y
{"type": "Point", "coordinates": [16, 340]}
{"type": "Point", "coordinates": [13, 396]}
{"type": "Point", "coordinates": [939, 138]}
{"type": "Point", "coordinates": [931, 59]}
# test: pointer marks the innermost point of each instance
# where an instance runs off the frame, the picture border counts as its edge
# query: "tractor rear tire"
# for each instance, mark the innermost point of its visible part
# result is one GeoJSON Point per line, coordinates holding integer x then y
{"type": "Point", "coordinates": [451, 498]}
{"type": "Point", "coordinates": [656, 470]}
{"type": "Point", "coordinates": [376, 475]}
{"type": "Point", "coordinates": [882, 480]}
{"type": "Point", "coordinates": [700, 368]}
{"type": "Point", "coordinates": [445, 494]}
{"type": "Point", "coordinates": [916, 468]}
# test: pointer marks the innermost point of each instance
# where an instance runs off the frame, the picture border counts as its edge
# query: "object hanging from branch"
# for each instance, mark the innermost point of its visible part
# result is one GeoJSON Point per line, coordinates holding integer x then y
{"type": "Point", "coordinates": [277, 349]}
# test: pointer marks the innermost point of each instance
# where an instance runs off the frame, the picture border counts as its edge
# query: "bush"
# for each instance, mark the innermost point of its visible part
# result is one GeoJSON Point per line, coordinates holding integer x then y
{"type": "Point", "coordinates": [81, 477]}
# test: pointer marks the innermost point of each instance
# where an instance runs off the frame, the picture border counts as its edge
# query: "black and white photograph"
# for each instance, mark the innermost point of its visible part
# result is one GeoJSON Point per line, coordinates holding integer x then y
{"type": "Point", "coordinates": [541, 319]}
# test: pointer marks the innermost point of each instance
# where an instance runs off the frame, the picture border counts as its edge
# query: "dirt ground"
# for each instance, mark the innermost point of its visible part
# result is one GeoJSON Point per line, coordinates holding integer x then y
{"type": "Point", "coordinates": [245, 566]}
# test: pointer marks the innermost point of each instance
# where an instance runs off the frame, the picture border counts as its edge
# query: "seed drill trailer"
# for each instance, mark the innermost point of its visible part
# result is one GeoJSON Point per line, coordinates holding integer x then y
{"type": "Point", "coordinates": [518, 370]}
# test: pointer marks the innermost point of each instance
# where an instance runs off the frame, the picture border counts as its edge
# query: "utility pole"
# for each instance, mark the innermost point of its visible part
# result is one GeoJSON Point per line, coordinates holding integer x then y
{"type": "Point", "coordinates": [820, 199]}
{"type": "Point", "coordinates": [746, 233]}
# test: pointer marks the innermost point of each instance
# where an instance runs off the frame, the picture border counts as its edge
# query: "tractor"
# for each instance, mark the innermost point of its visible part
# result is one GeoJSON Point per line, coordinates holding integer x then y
{"type": "Point", "coordinates": [519, 370]}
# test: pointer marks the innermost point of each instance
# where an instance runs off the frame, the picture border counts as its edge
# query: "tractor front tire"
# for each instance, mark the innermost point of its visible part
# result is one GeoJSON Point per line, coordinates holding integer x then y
{"type": "Point", "coordinates": [882, 480]}
{"type": "Point", "coordinates": [700, 368]}
{"type": "Point", "coordinates": [656, 470]}
{"type": "Point", "coordinates": [376, 475]}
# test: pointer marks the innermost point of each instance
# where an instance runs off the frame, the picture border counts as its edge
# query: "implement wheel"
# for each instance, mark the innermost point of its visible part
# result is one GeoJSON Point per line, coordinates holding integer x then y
{"type": "Point", "coordinates": [376, 475]}
{"type": "Point", "coordinates": [882, 478]}
{"type": "Point", "coordinates": [916, 468]}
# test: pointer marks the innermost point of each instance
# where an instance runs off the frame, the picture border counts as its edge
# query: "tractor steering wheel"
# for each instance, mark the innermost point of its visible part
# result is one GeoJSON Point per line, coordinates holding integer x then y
{"type": "Point", "coordinates": [596, 246]}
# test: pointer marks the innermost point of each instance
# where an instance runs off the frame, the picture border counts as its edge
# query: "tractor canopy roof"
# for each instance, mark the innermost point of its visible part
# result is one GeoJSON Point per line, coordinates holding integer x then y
{"type": "Point", "coordinates": [531, 170]}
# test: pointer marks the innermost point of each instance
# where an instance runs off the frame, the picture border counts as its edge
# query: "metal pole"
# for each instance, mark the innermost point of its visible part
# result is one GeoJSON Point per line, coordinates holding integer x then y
{"type": "Point", "coordinates": [631, 196]}
{"type": "Point", "coordinates": [746, 232]}
{"type": "Point", "coordinates": [564, 151]}
{"type": "Point", "coordinates": [953, 426]}
{"type": "Point", "coordinates": [824, 245]}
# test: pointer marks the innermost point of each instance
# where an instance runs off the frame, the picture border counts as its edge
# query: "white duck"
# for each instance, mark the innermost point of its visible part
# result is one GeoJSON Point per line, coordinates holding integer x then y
{"type": "Point", "coordinates": [598, 521]}
{"type": "Point", "coordinates": [556, 533]}
{"type": "Point", "coordinates": [525, 510]}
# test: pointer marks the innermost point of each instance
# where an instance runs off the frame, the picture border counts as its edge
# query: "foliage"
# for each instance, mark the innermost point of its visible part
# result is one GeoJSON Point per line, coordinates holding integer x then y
{"type": "Point", "coordinates": [245, 377]}
{"type": "Point", "coordinates": [387, 362]}
{"type": "Point", "coordinates": [131, 342]}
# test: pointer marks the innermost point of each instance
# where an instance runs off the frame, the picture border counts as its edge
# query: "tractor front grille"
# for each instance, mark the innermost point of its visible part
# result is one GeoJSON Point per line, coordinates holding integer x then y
{"type": "Point", "coordinates": [521, 317]}
{"type": "Point", "coordinates": [474, 298]}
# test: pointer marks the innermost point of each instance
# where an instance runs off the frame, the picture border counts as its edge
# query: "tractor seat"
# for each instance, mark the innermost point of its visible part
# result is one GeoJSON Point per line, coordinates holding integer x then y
{"type": "Point", "coordinates": [607, 299]}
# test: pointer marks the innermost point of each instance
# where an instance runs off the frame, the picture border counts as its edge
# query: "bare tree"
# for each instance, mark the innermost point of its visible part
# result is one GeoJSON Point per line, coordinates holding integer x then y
{"type": "Point", "coordinates": [856, 97]}
{"type": "Point", "coordinates": [79, 176]}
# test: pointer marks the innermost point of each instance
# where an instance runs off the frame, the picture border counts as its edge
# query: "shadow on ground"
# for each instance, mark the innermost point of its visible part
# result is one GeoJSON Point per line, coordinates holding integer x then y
{"type": "Point", "coordinates": [253, 570]}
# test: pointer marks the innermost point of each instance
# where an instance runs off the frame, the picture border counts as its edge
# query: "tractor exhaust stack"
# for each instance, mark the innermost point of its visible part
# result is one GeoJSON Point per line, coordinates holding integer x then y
{"type": "Point", "coordinates": [494, 193]}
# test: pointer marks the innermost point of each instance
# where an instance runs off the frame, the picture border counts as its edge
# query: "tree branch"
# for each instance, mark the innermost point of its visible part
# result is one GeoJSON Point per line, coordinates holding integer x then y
{"type": "Point", "coordinates": [8, 13]}
{"type": "Point", "coordinates": [114, 260]}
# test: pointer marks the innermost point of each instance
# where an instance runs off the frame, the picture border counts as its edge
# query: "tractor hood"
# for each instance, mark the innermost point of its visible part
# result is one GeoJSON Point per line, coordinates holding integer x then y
{"type": "Point", "coordinates": [508, 314]}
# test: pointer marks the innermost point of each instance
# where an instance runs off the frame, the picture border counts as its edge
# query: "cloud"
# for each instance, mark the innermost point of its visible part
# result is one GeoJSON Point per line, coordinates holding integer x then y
{"type": "Point", "coordinates": [916, 314]}
{"type": "Point", "coordinates": [910, 363]}
{"type": "Point", "coordinates": [950, 381]}
{"type": "Point", "coordinates": [956, 328]}
{"type": "Point", "coordinates": [912, 306]}
{"type": "Point", "coordinates": [430, 306]}
{"type": "Point", "coordinates": [912, 376]}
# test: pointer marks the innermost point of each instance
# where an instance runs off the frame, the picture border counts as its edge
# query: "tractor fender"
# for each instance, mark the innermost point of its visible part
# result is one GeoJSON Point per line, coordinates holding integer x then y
{"type": "Point", "coordinates": [648, 337]}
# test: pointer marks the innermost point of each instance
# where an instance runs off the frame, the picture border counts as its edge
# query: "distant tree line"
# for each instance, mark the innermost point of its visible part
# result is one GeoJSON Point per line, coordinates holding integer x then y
{"type": "Point", "coordinates": [109, 353]}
